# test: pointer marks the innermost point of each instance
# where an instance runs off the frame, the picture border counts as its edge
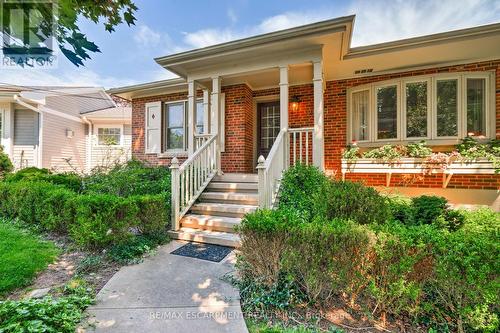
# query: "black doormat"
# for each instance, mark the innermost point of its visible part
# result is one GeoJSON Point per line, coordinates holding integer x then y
{"type": "Point", "coordinates": [208, 252]}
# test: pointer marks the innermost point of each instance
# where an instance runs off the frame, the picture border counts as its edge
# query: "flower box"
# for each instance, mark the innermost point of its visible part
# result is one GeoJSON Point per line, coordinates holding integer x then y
{"type": "Point", "coordinates": [417, 166]}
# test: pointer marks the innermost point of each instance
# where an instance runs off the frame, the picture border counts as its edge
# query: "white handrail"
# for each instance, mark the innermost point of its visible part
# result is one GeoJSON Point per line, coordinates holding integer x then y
{"type": "Point", "coordinates": [293, 145]}
{"type": "Point", "coordinates": [200, 139]}
{"type": "Point", "coordinates": [271, 169]}
{"type": "Point", "coordinates": [191, 178]}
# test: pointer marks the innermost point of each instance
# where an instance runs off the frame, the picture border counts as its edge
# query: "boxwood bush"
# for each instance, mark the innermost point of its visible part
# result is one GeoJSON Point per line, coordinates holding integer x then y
{"type": "Point", "coordinates": [406, 263]}
{"type": "Point", "coordinates": [94, 215]}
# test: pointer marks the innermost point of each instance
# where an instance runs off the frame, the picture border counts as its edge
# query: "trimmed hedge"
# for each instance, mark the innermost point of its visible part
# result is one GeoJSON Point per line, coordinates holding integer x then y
{"type": "Point", "coordinates": [92, 219]}
{"type": "Point", "coordinates": [413, 259]}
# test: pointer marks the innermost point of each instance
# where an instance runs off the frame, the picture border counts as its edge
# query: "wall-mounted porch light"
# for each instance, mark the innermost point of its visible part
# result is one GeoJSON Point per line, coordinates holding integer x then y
{"type": "Point", "coordinates": [294, 102]}
{"type": "Point", "coordinates": [70, 134]}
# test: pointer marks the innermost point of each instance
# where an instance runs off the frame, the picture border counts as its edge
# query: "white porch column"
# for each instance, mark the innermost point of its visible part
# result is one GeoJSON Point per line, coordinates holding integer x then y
{"type": "Point", "coordinates": [215, 115]}
{"type": "Point", "coordinates": [284, 97]}
{"type": "Point", "coordinates": [206, 111]}
{"type": "Point", "coordinates": [318, 136]}
{"type": "Point", "coordinates": [191, 121]}
{"type": "Point", "coordinates": [8, 128]}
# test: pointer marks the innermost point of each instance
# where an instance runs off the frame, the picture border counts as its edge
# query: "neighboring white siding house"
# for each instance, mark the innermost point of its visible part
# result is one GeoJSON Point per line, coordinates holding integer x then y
{"type": "Point", "coordinates": [58, 128]}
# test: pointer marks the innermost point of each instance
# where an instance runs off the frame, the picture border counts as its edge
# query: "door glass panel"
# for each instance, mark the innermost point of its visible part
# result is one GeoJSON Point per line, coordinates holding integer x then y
{"type": "Point", "coordinates": [269, 126]}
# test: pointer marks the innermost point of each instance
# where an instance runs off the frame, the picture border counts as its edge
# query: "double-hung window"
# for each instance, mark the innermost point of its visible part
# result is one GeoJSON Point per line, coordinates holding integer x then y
{"type": "Point", "coordinates": [109, 136]}
{"type": "Point", "coordinates": [175, 124]}
{"type": "Point", "coordinates": [441, 108]}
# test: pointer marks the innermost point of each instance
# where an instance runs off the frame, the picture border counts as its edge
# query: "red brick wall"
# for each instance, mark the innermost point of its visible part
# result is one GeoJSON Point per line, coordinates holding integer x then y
{"type": "Point", "coordinates": [138, 123]}
{"type": "Point", "coordinates": [239, 120]}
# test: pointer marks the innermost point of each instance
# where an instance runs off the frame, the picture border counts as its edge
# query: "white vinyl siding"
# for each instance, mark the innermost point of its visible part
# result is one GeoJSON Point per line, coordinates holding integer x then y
{"type": "Point", "coordinates": [61, 153]}
{"type": "Point", "coordinates": [441, 108]}
{"type": "Point", "coordinates": [25, 138]}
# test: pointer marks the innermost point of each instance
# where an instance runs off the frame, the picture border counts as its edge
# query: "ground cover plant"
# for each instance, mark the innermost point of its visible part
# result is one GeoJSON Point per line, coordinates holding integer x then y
{"type": "Point", "coordinates": [415, 262]}
{"type": "Point", "coordinates": [22, 256]}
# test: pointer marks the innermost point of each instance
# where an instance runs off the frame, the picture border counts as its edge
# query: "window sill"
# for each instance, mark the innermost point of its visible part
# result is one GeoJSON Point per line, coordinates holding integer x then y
{"type": "Point", "coordinates": [171, 154]}
{"type": "Point", "coordinates": [435, 142]}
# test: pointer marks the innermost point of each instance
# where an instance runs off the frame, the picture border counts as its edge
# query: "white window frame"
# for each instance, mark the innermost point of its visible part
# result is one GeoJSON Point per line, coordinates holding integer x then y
{"type": "Point", "coordinates": [96, 133]}
{"type": "Point", "coordinates": [431, 79]}
{"type": "Point", "coordinates": [164, 127]}
{"type": "Point", "coordinates": [351, 116]}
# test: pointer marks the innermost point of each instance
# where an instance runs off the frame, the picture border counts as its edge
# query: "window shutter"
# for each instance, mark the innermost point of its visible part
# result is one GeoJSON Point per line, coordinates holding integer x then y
{"type": "Point", "coordinates": [153, 127]}
{"type": "Point", "coordinates": [222, 120]}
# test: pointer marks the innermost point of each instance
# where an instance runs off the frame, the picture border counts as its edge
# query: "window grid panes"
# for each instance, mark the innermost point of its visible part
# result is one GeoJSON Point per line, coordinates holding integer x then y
{"type": "Point", "coordinates": [360, 107]}
{"type": "Point", "coordinates": [270, 126]}
{"type": "Point", "coordinates": [108, 136]}
{"type": "Point", "coordinates": [476, 107]}
{"type": "Point", "coordinates": [436, 107]}
{"type": "Point", "coordinates": [447, 108]}
{"type": "Point", "coordinates": [416, 110]}
{"type": "Point", "coordinates": [174, 125]}
{"type": "Point", "coordinates": [387, 111]}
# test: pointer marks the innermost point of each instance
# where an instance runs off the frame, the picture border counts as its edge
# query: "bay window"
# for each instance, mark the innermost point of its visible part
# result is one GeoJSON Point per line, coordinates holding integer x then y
{"type": "Point", "coordinates": [441, 108]}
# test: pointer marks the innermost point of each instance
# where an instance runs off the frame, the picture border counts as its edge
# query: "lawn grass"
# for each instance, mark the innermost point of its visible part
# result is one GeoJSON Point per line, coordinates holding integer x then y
{"type": "Point", "coordinates": [22, 256]}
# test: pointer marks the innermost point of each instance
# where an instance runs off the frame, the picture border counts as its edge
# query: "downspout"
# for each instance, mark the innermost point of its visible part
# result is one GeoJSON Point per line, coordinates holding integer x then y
{"type": "Point", "coordinates": [88, 159]}
{"type": "Point", "coordinates": [19, 101]}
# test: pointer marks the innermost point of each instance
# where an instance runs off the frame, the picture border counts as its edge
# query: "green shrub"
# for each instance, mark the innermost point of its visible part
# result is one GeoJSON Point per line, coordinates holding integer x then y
{"type": "Point", "coordinates": [387, 153]}
{"type": "Point", "coordinates": [427, 208]}
{"type": "Point", "coordinates": [465, 289]}
{"type": "Point", "coordinates": [68, 180]}
{"type": "Point", "coordinates": [298, 186]}
{"type": "Point", "coordinates": [264, 234]}
{"type": "Point", "coordinates": [401, 209]}
{"type": "Point", "coordinates": [351, 201]}
{"type": "Point", "coordinates": [102, 220]}
{"type": "Point", "coordinates": [328, 258]}
{"type": "Point", "coordinates": [132, 178]}
{"type": "Point", "coordinates": [5, 163]}
{"type": "Point", "coordinates": [131, 252]}
{"type": "Point", "coordinates": [153, 213]}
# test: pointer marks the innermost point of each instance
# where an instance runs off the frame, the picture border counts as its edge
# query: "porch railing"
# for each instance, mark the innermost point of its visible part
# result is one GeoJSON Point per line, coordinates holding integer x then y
{"type": "Point", "coordinates": [301, 145]}
{"type": "Point", "coordinates": [290, 147]}
{"type": "Point", "coordinates": [190, 179]}
{"type": "Point", "coordinates": [200, 139]}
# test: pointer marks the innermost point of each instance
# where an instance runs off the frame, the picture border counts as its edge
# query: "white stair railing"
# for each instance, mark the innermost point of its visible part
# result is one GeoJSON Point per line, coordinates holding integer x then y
{"type": "Point", "coordinates": [301, 145]}
{"type": "Point", "coordinates": [270, 170]}
{"type": "Point", "coordinates": [191, 178]}
{"type": "Point", "coordinates": [200, 139]}
{"type": "Point", "coordinates": [291, 146]}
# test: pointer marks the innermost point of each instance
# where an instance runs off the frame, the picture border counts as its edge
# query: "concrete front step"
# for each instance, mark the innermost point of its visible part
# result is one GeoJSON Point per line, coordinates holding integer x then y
{"type": "Point", "coordinates": [208, 222]}
{"type": "Point", "coordinates": [222, 209]}
{"type": "Point", "coordinates": [230, 197]}
{"type": "Point", "coordinates": [232, 187]}
{"type": "Point", "coordinates": [206, 236]}
{"type": "Point", "coordinates": [237, 178]}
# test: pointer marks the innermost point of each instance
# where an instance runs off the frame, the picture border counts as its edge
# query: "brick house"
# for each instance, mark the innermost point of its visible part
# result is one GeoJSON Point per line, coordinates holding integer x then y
{"type": "Point", "coordinates": [302, 95]}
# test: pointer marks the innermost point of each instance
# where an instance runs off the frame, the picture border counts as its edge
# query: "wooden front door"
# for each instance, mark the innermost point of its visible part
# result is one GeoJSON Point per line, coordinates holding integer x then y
{"type": "Point", "coordinates": [268, 126]}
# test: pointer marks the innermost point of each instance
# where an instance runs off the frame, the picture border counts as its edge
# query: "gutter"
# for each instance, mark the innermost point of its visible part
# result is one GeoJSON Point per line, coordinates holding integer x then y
{"type": "Point", "coordinates": [88, 159]}
{"type": "Point", "coordinates": [18, 100]}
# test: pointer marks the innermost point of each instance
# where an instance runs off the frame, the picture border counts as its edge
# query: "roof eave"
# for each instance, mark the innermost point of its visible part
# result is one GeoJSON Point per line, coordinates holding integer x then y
{"type": "Point", "coordinates": [422, 40]}
{"type": "Point", "coordinates": [277, 36]}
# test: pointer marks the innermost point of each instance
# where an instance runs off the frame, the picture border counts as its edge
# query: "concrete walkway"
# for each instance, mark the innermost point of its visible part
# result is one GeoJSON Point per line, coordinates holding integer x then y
{"type": "Point", "coordinates": [169, 293]}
